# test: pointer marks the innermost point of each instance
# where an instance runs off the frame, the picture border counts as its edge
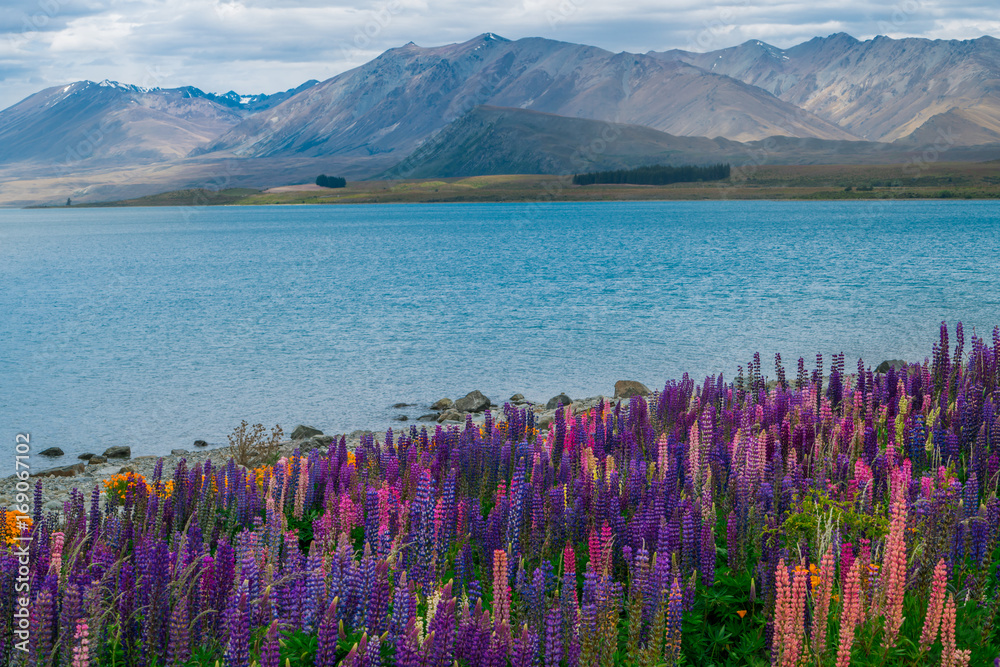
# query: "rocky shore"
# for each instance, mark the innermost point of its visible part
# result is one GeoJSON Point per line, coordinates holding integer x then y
{"type": "Point", "coordinates": [93, 469]}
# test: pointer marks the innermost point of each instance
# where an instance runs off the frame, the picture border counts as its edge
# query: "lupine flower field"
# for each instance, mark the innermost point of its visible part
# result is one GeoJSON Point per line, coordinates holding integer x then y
{"type": "Point", "coordinates": [822, 517]}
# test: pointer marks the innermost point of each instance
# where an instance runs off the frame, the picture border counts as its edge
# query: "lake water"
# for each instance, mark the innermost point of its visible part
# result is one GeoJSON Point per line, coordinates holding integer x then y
{"type": "Point", "coordinates": [154, 327]}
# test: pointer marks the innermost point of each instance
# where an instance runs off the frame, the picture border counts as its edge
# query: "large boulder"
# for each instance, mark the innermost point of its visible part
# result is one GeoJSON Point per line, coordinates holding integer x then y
{"type": "Point", "coordinates": [450, 415]}
{"type": "Point", "coordinates": [895, 364]}
{"type": "Point", "coordinates": [442, 404]}
{"type": "Point", "coordinates": [630, 388]}
{"type": "Point", "coordinates": [432, 417]}
{"type": "Point", "coordinates": [86, 456]}
{"type": "Point", "coordinates": [543, 420]}
{"type": "Point", "coordinates": [200, 443]}
{"type": "Point", "coordinates": [118, 452]}
{"type": "Point", "coordinates": [474, 401]}
{"type": "Point", "coordinates": [556, 401]}
{"type": "Point", "coordinates": [304, 446]}
{"type": "Point", "coordinates": [302, 432]}
{"type": "Point", "coordinates": [51, 451]}
{"type": "Point", "coordinates": [517, 398]}
{"type": "Point", "coordinates": [65, 471]}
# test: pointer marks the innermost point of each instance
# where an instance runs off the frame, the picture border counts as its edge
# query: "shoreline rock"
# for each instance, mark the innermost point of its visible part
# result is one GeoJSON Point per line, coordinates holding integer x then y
{"type": "Point", "coordinates": [119, 452]}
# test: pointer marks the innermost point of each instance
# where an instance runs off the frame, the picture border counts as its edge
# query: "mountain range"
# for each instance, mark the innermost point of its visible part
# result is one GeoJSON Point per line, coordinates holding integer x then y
{"type": "Point", "coordinates": [492, 105]}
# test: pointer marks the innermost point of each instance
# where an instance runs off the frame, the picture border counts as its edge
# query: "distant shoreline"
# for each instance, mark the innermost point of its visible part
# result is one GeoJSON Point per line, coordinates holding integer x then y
{"type": "Point", "coordinates": [894, 182]}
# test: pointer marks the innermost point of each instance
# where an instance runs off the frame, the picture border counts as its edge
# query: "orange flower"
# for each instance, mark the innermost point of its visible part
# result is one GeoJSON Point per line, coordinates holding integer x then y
{"type": "Point", "coordinates": [117, 486]}
{"type": "Point", "coordinates": [742, 613]}
{"type": "Point", "coordinates": [11, 525]}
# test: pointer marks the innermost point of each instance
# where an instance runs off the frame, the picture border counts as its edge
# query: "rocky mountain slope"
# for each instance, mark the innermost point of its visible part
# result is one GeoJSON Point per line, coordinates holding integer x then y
{"type": "Point", "coordinates": [396, 101]}
{"type": "Point", "coordinates": [880, 89]}
{"type": "Point", "coordinates": [494, 141]}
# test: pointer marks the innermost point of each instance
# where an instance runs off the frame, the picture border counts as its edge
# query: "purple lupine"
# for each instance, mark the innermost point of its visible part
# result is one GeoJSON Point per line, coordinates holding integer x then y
{"type": "Point", "coordinates": [270, 650]}
{"type": "Point", "coordinates": [524, 649]}
{"type": "Point", "coordinates": [238, 646]}
{"type": "Point", "coordinates": [373, 653]}
{"type": "Point", "coordinates": [443, 627]}
{"type": "Point", "coordinates": [326, 647]}
{"type": "Point", "coordinates": [674, 621]}
{"type": "Point", "coordinates": [553, 636]}
{"type": "Point", "coordinates": [377, 619]}
{"type": "Point", "coordinates": [179, 647]}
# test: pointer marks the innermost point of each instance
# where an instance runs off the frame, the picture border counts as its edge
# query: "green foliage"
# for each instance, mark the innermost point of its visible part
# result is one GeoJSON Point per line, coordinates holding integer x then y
{"type": "Point", "coordinates": [715, 633]}
{"type": "Point", "coordinates": [298, 649]}
{"type": "Point", "coordinates": [325, 181]}
{"type": "Point", "coordinates": [818, 507]}
{"type": "Point", "coordinates": [303, 526]}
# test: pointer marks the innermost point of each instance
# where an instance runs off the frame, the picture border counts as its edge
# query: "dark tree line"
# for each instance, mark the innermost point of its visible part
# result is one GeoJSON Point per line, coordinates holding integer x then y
{"type": "Point", "coordinates": [655, 175]}
{"type": "Point", "coordinates": [325, 181]}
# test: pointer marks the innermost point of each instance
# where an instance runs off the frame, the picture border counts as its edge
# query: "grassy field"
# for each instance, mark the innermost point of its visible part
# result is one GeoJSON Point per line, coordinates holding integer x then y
{"type": "Point", "coordinates": [794, 182]}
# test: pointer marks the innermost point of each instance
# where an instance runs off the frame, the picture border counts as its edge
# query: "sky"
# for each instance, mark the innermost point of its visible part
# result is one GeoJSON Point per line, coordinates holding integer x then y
{"type": "Point", "coordinates": [265, 46]}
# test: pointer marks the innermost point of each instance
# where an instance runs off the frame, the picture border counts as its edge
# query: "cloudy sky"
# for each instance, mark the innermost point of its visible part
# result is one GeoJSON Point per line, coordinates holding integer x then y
{"type": "Point", "coordinates": [256, 46]}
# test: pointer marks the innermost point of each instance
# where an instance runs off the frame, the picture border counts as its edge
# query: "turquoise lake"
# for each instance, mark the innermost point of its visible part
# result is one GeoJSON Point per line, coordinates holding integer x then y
{"type": "Point", "coordinates": [154, 327]}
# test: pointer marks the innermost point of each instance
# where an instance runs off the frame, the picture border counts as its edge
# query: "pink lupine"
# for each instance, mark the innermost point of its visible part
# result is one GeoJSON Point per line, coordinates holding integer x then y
{"type": "Point", "coordinates": [800, 588]}
{"type": "Point", "coordinates": [694, 453]}
{"type": "Point", "coordinates": [81, 651]}
{"type": "Point", "coordinates": [501, 589]}
{"type": "Point", "coordinates": [850, 613]}
{"type": "Point", "coordinates": [300, 492]}
{"type": "Point", "coordinates": [788, 614]}
{"type": "Point", "coordinates": [55, 562]}
{"type": "Point", "coordinates": [935, 607]}
{"type": "Point", "coordinates": [662, 456]}
{"type": "Point", "coordinates": [821, 602]}
{"type": "Point", "coordinates": [950, 656]}
{"type": "Point", "coordinates": [894, 562]}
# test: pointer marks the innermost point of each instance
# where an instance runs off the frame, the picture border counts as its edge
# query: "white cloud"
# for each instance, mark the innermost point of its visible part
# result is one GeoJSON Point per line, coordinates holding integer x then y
{"type": "Point", "coordinates": [270, 45]}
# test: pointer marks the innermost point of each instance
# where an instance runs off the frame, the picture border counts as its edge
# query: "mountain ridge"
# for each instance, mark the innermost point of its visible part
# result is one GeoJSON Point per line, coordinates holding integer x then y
{"type": "Point", "coordinates": [402, 107]}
